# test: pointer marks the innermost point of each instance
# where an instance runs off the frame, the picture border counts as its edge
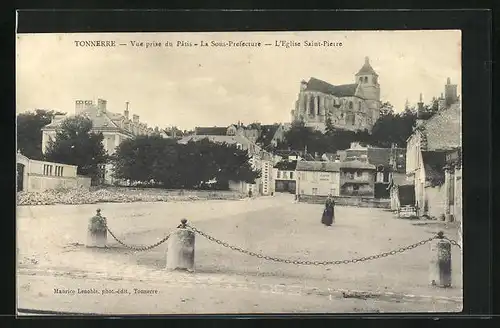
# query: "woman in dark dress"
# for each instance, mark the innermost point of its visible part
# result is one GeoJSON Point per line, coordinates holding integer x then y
{"type": "Point", "coordinates": [329, 212]}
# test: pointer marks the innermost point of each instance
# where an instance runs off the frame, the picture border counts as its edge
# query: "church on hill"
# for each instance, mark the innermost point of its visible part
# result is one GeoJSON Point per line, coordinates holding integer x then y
{"type": "Point", "coordinates": [349, 106]}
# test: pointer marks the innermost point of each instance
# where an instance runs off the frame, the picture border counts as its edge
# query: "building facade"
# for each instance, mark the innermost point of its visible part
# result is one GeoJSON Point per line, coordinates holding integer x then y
{"type": "Point", "coordinates": [353, 106]}
{"type": "Point", "coordinates": [285, 176]}
{"type": "Point", "coordinates": [357, 179]}
{"type": "Point", "coordinates": [426, 153]}
{"type": "Point", "coordinates": [114, 127]}
{"type": "Point", "coordinates": [33, 175]}
{"type": "Point", "coordinates": [317, 178]}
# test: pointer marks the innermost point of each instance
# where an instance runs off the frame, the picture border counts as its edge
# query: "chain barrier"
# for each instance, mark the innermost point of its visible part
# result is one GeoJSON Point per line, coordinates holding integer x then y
{"type": "Point", "coordinates": [453, 242]}
{"type": "Point", "coordinates": [337, 262]}
{"type": "Point", "coordinates": [140, 249]}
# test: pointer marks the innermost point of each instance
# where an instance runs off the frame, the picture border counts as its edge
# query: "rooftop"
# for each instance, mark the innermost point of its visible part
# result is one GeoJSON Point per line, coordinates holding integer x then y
{"type": "Point", "coordinates": [443, 130]}
{"type": "Point", "coordinates": [318, 166]}
{"type": "Point", "coordinates": [367, 69]}
{"type": "Point", "coordinates": [344, 90]}
{"type": "Point", "coordinates": [217, 138]}
{"type": "Point", "coordinates": [356, 164]}
{"type": "Point", "coordinates": [212, 131]}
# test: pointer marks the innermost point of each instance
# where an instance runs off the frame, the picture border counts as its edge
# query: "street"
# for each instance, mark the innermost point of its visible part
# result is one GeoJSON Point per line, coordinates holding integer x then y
{"type": "Point", "coordinates": [51, 255]}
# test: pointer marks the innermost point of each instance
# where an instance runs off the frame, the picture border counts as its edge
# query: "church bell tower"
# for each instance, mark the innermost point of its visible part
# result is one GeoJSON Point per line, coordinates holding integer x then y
{"type": "Point", "coordinates": [367, 79]}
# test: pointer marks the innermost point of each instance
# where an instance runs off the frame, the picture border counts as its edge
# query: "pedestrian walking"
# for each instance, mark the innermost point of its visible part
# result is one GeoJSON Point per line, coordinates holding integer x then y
{"type": "Point", "coordinates": [328, 217]}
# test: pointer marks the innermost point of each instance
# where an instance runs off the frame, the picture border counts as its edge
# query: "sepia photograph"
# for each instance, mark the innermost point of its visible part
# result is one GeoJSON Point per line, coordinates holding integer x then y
{"type": "Point", "coordinates": [239, 172]}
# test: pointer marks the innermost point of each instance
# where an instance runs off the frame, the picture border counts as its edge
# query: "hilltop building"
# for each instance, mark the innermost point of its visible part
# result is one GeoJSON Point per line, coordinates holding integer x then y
{"type": "Point", "coordinates": [352, 106]}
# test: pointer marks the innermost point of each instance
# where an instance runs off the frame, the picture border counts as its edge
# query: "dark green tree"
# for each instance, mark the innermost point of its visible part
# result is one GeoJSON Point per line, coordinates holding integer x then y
{"type": "Point", "coordinates": [75, 144]}
{"type": "Point", "coordinates": [393, 128]}
{"type": "Point", "coordinates": [194, 165]}
{"type": "Point", "coordinates": [29, 131]}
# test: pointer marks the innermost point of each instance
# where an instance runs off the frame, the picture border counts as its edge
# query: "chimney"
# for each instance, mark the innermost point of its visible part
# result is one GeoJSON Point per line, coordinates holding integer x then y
{"type": "Point", "coordinates": [126, 112]}
{"type": "Point", "coordinates": [367, 60]}
{"type": "Point", "coordinates": [101, 105]}
{"type": "Point", "coordinates": [135, 118]}
{"type": "Point", "coordinates": [79, 106]}
{"type": "Point", "coordinates": [420, 108]}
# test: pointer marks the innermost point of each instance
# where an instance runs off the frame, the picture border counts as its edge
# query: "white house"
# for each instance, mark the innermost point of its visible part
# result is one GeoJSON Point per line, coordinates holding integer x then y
{"type": "Point", "coordinates": [317, 178]}
{"type": "Point", "coordinates": [33, 175]}
{"type": "Point", "coordinates": [115, 127]}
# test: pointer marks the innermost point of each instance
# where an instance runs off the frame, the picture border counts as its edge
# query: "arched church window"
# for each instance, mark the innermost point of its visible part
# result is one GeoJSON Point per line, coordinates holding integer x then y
{"type": "Point", "coordinates": [361, 80]}
{"type": "Point", "coordinates": [311, 105]}
{"type": "Point", "coordinates": [366, 79]}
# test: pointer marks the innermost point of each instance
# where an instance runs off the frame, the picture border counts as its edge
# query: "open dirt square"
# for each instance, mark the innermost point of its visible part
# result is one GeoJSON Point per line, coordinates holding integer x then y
{"type": "Point", "coordinates": [51, 255]}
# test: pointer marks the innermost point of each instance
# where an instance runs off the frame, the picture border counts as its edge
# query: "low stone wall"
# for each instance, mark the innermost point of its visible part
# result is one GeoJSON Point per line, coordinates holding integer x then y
{"type": "Point", "coordinates": [348, 201]}
{"type": "Point", "coordinates": [119, 195]}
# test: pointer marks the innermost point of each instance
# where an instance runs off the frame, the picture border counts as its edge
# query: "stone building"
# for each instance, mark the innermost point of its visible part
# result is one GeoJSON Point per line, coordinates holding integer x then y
{"type": "Point", "coordinates": [426, 153]}
{"type": "Point", "coordinates": [115, 127]}
{"type": "Point", "coordinates": [353, 106]}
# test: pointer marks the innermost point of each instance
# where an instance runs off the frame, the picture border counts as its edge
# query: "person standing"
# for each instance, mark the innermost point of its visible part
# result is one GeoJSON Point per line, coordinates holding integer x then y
{"type": "Point", "coordinates": [329, 212]}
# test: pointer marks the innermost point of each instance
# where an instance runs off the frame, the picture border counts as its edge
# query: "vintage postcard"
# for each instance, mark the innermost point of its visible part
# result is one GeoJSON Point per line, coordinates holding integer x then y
{"type": "Point", "coordinates": [239, 172]}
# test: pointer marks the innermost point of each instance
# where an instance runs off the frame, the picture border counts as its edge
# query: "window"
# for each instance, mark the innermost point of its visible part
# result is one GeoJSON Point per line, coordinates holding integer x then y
{"type": "Point", "coordinates": [360, 80]}
{"type": "Point", "coordinates": [350, 104]}
{"type": "Point", "coordinates": [314, 191]}
{"type": "Point", "coordinates": [358, 174]}
{"type": "Point", "coordinates": [279, 174]}
{"type": "Point", "coordinates": [291, 175]}
{"type": "Point", "coordinates": [284, 175]}
{"type": "Point", "coordinates": [366, 79]}
{"type": "Point", "coordinates": [59, 171]}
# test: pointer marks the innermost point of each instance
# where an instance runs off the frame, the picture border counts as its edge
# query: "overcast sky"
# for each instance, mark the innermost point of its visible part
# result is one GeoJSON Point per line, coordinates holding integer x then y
{"type": "Point", "coordinates": [210, 86]}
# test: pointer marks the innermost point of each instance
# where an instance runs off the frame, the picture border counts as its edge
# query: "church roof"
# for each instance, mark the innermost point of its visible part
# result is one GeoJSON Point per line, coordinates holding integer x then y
{"type": "Point", "coordinates": [344, 90]}
{"type": "Point", "coordinates": [367, 69]}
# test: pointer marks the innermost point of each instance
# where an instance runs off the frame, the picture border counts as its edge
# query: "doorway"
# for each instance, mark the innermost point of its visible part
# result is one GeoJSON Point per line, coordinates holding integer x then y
{"type": "Point", "coordinates": [20, 177]}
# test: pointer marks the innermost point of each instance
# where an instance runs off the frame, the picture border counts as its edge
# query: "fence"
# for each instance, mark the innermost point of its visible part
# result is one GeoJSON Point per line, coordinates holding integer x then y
{"type": "Point", "coordinates": [181, 247]}
{"type": "Point", "coordinates": [348, 201]}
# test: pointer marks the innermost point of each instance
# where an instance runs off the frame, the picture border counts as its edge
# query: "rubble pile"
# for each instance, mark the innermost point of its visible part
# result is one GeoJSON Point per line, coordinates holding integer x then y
{"type": "Point", "coordinates": [114, 195]}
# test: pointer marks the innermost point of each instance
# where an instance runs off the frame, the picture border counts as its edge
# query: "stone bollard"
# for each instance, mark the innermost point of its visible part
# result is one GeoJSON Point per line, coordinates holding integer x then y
{"type": "Point", "coordinates": [440, 264]}
{"type": "Point", "coordinates": [97, 233]}
{"type": "Point", "coordinates": [180, 251]}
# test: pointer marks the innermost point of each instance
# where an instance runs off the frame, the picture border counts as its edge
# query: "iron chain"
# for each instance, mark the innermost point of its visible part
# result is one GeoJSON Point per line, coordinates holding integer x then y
{"type": "Point", "coordinates": [453, 242]}
{"type": "Point", "coordinates": [139, 249]}
{"type": "Point", "coordinates": [317, 263]}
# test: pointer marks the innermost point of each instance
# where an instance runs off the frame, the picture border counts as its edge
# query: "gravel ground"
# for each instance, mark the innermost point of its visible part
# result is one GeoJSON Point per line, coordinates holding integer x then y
{"type": "Point", "coordinates": [51, 238]}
